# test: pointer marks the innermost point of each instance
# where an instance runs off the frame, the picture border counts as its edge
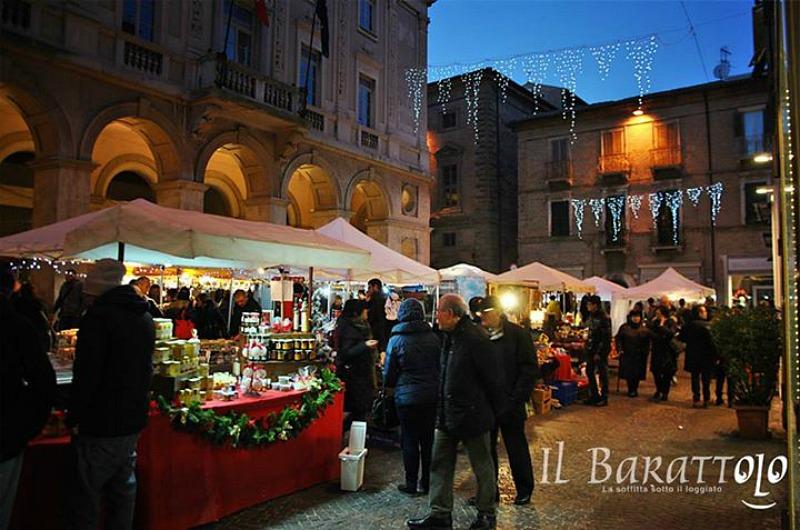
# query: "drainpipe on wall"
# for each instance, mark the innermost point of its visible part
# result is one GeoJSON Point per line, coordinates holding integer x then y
{"type": "Point", "coordinates": [498, 177]}
{"type": "Point", "coordinates": [710, 174]}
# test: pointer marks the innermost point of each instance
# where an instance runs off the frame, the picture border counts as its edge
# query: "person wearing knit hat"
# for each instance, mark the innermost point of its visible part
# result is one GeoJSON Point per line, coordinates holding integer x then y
{"type": "Point", "coordinates": [633, 346]}
{"type": "Point", "coordinates": [116, 339]}
{"type": "Point", "coordinates": [412, 369]}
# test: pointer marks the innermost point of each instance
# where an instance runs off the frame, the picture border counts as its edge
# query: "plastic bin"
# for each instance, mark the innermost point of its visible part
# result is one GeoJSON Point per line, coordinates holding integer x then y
{"type": "Point", "coordinates": [358, 436]}
{"type": "Point", "coordinates": [566, 392]}
{"type": "Point", "coordinates": [352, 476]}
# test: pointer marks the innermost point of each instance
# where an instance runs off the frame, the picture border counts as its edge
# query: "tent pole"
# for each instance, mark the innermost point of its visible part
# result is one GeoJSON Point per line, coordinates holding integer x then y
{"type": "Point", "coordinates": [161, 291]}
{"type": "Point", "coordinates": [230, 301]}
{"type": "Point", "coordinates": [435, 305]}
{"type": "Point", "coordinates": [120, 251]}
{"type": "Point", "coordinates": [310, 295]}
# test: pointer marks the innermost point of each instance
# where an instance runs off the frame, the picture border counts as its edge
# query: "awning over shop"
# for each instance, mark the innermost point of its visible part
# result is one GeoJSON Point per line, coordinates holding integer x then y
{"type": "Point", "coordinates": [157, 235]}
{"type": "Point", "coordinates": [547, 279]}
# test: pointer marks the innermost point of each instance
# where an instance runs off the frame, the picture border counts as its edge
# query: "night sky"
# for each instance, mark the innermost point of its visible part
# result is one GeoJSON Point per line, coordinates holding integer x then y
{"type": "Point", "coordinates": [468, 31]}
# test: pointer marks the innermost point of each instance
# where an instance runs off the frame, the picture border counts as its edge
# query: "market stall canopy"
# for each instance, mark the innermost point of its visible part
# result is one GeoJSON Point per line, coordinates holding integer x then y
{"type": "Point", "coordinates": [464, 270]}
{"type": "Point", "coordinates": [384, 263]}
{"type": "Point", "coordinates": [603, 288]}
{"type": "Point", "coordinates": [165, 236]}
{"type": "Point", "coordinates": [547, 279]}
{"type": "Point", "coordinates": [670, 283]}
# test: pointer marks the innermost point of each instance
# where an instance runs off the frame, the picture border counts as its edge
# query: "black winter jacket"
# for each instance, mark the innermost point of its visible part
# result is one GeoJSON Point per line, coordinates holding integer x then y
{"type": "Point", "coordinates": [633, 346]}
{"type": "Point", "coordinates": [470, 393]}
{"type": "Point", "coordinates": [519, 364]}
{"type": "Point", "coordinates": [701, 353]}
{"type": "Point", "coordinates": [27, 383]}
{"type": "Point", "coordinates": [113, 366]}
{"type": "Point", "coordinates": [664, 359]}
{"type": "Point", "coordinates": [355, 365]}
{"type": "Point", "coordinates": [412, 364]}
{"type": "Point", "coordinates": [251, 306]}
{"type": "Point", "coordinates": [599, 342]}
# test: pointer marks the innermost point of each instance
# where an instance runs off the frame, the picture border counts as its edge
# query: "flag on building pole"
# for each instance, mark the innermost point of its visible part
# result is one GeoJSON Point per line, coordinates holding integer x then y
{"type": "Point", "coordinates": [261, 12]}
{"type": "Point", "coordinates": [322, 14]}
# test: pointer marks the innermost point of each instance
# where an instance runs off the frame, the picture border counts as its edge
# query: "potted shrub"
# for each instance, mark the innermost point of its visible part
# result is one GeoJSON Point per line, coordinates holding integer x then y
{"type": "Point", "coordinates": [749, 342]}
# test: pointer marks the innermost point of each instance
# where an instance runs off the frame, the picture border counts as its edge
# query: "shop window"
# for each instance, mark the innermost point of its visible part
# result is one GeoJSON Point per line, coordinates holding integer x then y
{"type": "Point", "coordinates": [366, 15]}
{"type": "Point", "coordinates": [239, 47]}
{"type": "Point", "coordinates": [450, 195]}
{"type": "Point", "coordinates": [214, 202]}
{"type": "Point", "coordinates": [757, 208]}
{"type": "Point", "coordinates": [366, 101]}
{"type": "Point", "coordinates": [310, 68]}
{"type": "Point", "coordinates": [559, 219]}
{"type": "Point", "coordinates": [129, 186]}
{"type": "Point", "coordinates": [668, 233]}
{"type": "Point", "coordinates": [448, 120]}
{"type": "Point", "coordinates": [449, 239]}
{"type": "Point", "coordinates": [139, 18]}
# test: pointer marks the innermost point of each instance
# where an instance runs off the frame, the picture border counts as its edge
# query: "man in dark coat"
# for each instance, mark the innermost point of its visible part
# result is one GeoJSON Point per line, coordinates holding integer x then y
{"type": "Point", "coordinates": [633, 345]}
{"type": "Point", "coordinates": [70, 303]}
{"type": "Point", "coordinates": [242, 304]}
{"type": "Point", "coordinates": [520, 370]}
{"type": "Point", "coordinates": [109, 400]}
{"type": "Point", "coordinates": [27, 391]}
{"type": "Point", "coordinates": [470, 398]}
{"type": "Point", "coordinates": [412, 369]}
{"type": "Point", "coordinates": [377, 313]}
{"type": "Point", "coordinates": [597, 349]}
{"type": "Point", "coordinates": [144, 284]}
{"type": "Point", "coordinates": [664, 356]}
{"type": "Point", "coordinates": [701, 354]}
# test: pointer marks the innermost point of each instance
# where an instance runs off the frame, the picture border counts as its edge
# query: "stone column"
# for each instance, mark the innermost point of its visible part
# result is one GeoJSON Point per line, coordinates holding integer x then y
{"type": "Point", "coordinates": [181, 194]}
{"type": "Point", "coordinates": [265, 208]}
{"type": "Point", "coordinates": [61, 189]}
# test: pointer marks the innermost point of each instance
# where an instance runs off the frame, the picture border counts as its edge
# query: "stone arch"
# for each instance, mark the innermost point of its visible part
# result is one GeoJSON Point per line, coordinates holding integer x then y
{"type": "Point", "coordinates": [132, 185]}
{"type": "Point", "coordinates": [373, 178]}
{"type": "Point", "coordinates": [48, 125]}
{"type": "Point", "coordinates": [223, 184]}
{"type": "Point", "coordinates": [312, 190]}
{"type": "Point", "coordinates": [149, 123]}
{"type": "Point", "coordinates": [309, 158]}
{"type": "Point", "coordinates": [135, 163]}
{"type": "Point", "coordinates": [15, 143]}
{"type": "Point", "coordinates": [367, 200]}
{"type": "Point", "coordinates": [250, 155]}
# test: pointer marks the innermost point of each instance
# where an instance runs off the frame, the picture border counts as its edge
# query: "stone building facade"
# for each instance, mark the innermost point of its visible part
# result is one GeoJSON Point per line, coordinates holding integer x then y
{"type": "Point", "coordinates": [474, 199]}
{"type": "Point", "coordinates": [686, 138]}
{"type": "Point", "coordinates": [110, 100]}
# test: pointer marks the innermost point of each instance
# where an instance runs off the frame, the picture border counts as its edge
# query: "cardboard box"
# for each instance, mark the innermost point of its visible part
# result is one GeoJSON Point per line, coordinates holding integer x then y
{"type": "Point", "coordinates": [540, 395]}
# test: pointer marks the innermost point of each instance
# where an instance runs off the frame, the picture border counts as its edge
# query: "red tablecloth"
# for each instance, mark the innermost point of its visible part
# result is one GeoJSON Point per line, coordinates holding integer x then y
{"type": "Point", "coordinates": [185, 481]}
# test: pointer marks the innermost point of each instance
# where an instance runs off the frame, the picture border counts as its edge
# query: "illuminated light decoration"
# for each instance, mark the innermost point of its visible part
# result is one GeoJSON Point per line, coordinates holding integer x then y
{"type": "Point", "coordinates": [535, 67]}
{"type": "Point", "coordinates": [642, 52]}
{"type": "Point", "coordinates": [674, 201]}
{"type": "Point", "coordinates": [654, 200]}
{"type": "Point", "coordinates": [597, 206]}
{"type": "Point", "coordinates": [416, 82]}
{"type": "Point", "coordinates": [635, 204]}
{"type": "Point", "coordinates": [444, 87]}
{"type": "Point", "coordinates": [715, 195]}
{"type": "Point", "coordinates": [472, 89]}
{"type": "Point", "coordinates": [578, 206]}
{"type": "Point", "coordinates": [504, 69]}
{"type": "Point", "coordinates": [569, 64]}
{"type": "Point", "coordinates": [508, 300]}
{"type": "Point", "coordinates": [694, 195]}
{"type": "Point", "coordinates": [616, 206]}
{"type": "Point", "coordinates": [604, 55]}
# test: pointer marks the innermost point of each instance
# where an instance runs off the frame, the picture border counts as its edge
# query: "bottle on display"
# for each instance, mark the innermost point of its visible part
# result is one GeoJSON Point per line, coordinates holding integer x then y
{"type": "Point", "coordinates": [296, 320]}
{"type": "Point", "coordinates": [304, 316]}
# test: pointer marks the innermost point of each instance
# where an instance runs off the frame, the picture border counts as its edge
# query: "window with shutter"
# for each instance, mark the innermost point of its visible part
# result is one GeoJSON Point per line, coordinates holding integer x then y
{"type": "Point", "coordinates": [559, 219]}
{"type": "Point", "coordinates": [613, 142]}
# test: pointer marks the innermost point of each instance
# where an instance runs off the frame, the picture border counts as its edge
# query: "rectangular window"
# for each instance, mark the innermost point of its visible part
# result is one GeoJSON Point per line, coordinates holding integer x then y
{"type": "Point", "coordinates": [312, 69]}
{"type": "Point", "coordinates": [750, 130]}
{"type": "Point", "coordinates": [240, 40]}
{"type": "Point", "coordinates": [449, 239]}
{"type": "Point", "coordinates": [559, 219]}
{"type": "Point", "coordinates": [615, 238]}
{"type": "Point", "coordinates": [366, 15]}
{"type": "Point", "coordinates": [666, 135]}
{"type": "Point", "coordinates": [668, 233]}
{"type": "Point", "coordinates": [138, 18]}
{"type": "Point", "coordinates": [757, 208]}
{"type": "Point", "coordinates": [559, 150]}
{"type": "Point", "coordinates": [613, 142]}
{"type": "Point", "coordinates": [448, 120]}
{"type": "Point", "coordinates": [450, 195]}
{"type": "Point", "coordinates": [366, 101]}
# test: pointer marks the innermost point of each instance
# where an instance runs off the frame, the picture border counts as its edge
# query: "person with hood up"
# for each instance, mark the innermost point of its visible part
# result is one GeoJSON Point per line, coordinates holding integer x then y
{"type": "Point", "coordinates": [633, 345]}
{"type": "Point", "coordinates": [355, 359]}
{"type": "Point", "coordinates": [109, 400]}
{"type": "Point", "coordinates": [701, 354]}
{"type": "Point", "coordinates": [412, 369]}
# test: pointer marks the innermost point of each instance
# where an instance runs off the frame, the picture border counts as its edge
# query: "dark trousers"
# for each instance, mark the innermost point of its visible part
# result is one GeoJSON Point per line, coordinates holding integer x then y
{"type": "Point", "coordinates": [512, 425]}
{"type": "Point", "coordinates": [633, 384]}
{"type": "Point", "coordinates": [417, 423]}
{"type": "Point", "coordinates": [719, 375]}
{"type": "Point", "coordinates": [600, 367]}
{"type": "Point", "coordinates": [443, 468]}
{"type": "Point", "coordinates": [697, 375]}
{"type": "Point", "coordinates": [663, 382]}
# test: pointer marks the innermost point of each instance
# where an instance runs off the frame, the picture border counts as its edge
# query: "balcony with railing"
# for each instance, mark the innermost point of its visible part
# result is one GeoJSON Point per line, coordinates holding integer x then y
{"type": "Point", "coordinates": [148, 59]}
{"type": "Point", "coordinates": [368, 139]}
{"type": "Point", "coordinates": [314, 120]}
{"type": "Point", "coordinates": [666, 162]}
{"type": "Point", "coordinates": [614, 168]}
{"type": "Point", "coordinates": [559, 174]}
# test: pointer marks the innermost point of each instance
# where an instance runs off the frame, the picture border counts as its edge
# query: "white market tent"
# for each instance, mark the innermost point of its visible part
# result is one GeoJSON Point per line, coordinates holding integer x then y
{"type": "Point", "coordinates": [670, 283]}
{"type": "Point", "coordinates": [603, 288]}
{"type": "Point", "coordinates": [464, 270]}
{"type": "Point", "coordinates": [384, 263]}
{"type": "Point", "coordinates": [546, 278]}
{"type": "Point", "coordinates": [157, 235]}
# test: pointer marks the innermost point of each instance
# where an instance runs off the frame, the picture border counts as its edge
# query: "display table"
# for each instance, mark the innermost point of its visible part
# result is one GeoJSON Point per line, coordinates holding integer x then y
{"type": "Point", "coordinates": [185, 481]}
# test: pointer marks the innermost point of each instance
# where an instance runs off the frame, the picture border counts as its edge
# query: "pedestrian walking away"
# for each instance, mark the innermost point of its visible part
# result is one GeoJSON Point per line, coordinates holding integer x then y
{"type": "Point", "coordinates": [701, 354]}
{"type": "Point", "coordinates": [597, 349]}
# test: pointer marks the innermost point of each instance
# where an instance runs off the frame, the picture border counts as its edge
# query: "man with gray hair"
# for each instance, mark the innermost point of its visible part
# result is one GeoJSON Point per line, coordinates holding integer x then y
{"type": "Point", "coordinates": [470, 398]}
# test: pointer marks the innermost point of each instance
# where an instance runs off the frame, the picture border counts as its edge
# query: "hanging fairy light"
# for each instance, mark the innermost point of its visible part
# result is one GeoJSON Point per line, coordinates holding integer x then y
{"type": "Point", "coordinates": [642, 53]}
{"type": "Point", "coordinates": [472, 88]}
{"type": "Point", "coordinates": [569, 65]}
{"type": "Point", "coordinates": [715, 194]}
{"type": "Point", "coordinates": [535, 67]}
{"type": "Point", "coordinates": [654, 200]}
{"type": "Point", "coordinates": [674, 201]}
{"type": "Point", "coordinates": [616, 206]}
{"type": "Point", "coordinates": [604, 55]}
{"type": "Point", "coordinates": [597, 206]}
{"type": "Point", "coordinates": [635, 204]}
{"type": "Point", "coordinates": [416, 82]}
{"type": "Point", "coordinates": [578, 206]}
{"type": "Point", "coordinates": [504, 70]}
{"type": "Point", "coordinates": [444, 85]}
{"type": "Point", "coordinates": [694, 195]}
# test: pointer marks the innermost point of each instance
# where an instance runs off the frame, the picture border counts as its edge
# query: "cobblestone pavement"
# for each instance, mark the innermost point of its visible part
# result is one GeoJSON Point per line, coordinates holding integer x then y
{"type": "Point", "coordinates": [628, 427]}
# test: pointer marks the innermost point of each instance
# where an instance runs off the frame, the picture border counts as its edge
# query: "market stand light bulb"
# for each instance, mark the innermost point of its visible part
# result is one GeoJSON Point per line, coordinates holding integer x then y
{"type": "Point", "coordinates": [762, 158]}
{"type": "Point", "coordinates": [508, 301]}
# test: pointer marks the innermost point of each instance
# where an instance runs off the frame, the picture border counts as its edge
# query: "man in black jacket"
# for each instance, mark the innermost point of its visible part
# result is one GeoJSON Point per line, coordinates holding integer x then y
{"type": "Point", "coordinates": [597, 349]}
{"type": "Point", "coordinates": [109, 398]}
{"type": "Point", "coordinates": [27, 390]}
{"type": "Point", "coordinates": [469, 399]}
{"type": "Point", "coordinates": [376, 313]}
{"type": "Point", "coordinates": [520, 369]}
{"type": "Point", "coordinates": [243, 303]}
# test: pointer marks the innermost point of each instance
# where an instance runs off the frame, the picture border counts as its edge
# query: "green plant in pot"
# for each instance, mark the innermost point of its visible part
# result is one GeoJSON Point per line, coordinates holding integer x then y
{"type": "Point", "coordinates": [748, 341]}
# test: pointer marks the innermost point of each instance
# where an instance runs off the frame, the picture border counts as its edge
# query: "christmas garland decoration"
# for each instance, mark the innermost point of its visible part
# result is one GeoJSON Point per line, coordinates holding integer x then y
{"type": "Point", "coordinates": [240, 430]}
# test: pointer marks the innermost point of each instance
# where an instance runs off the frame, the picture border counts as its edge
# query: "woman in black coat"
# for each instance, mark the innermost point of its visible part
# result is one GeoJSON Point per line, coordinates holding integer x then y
{"type": "Point", "coordinates": [701, 354]}
{"type": "Point", "coordinates": [27, 304]}
{"type": "Point", "coordinates": [412, 369]}
{"type": "Point", "coordinates": [208, 319]}
{"type": "Point", "coordinates": [664, 358]}
{"type": "Point", "coordinates": [355, 359]}
{"type": "Point", "coordinates": [633, 345]}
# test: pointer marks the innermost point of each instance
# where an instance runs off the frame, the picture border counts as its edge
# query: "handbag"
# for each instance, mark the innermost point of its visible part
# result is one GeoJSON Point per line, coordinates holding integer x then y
{"type": "Point", "coordinates": [384, 413]}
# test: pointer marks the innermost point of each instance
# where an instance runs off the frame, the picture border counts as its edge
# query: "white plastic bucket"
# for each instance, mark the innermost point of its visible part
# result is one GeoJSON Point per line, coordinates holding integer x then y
{"type": "Point", "coordinates": [352, 475]}
{"type": "Point", "coordinates": [358, 436]}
